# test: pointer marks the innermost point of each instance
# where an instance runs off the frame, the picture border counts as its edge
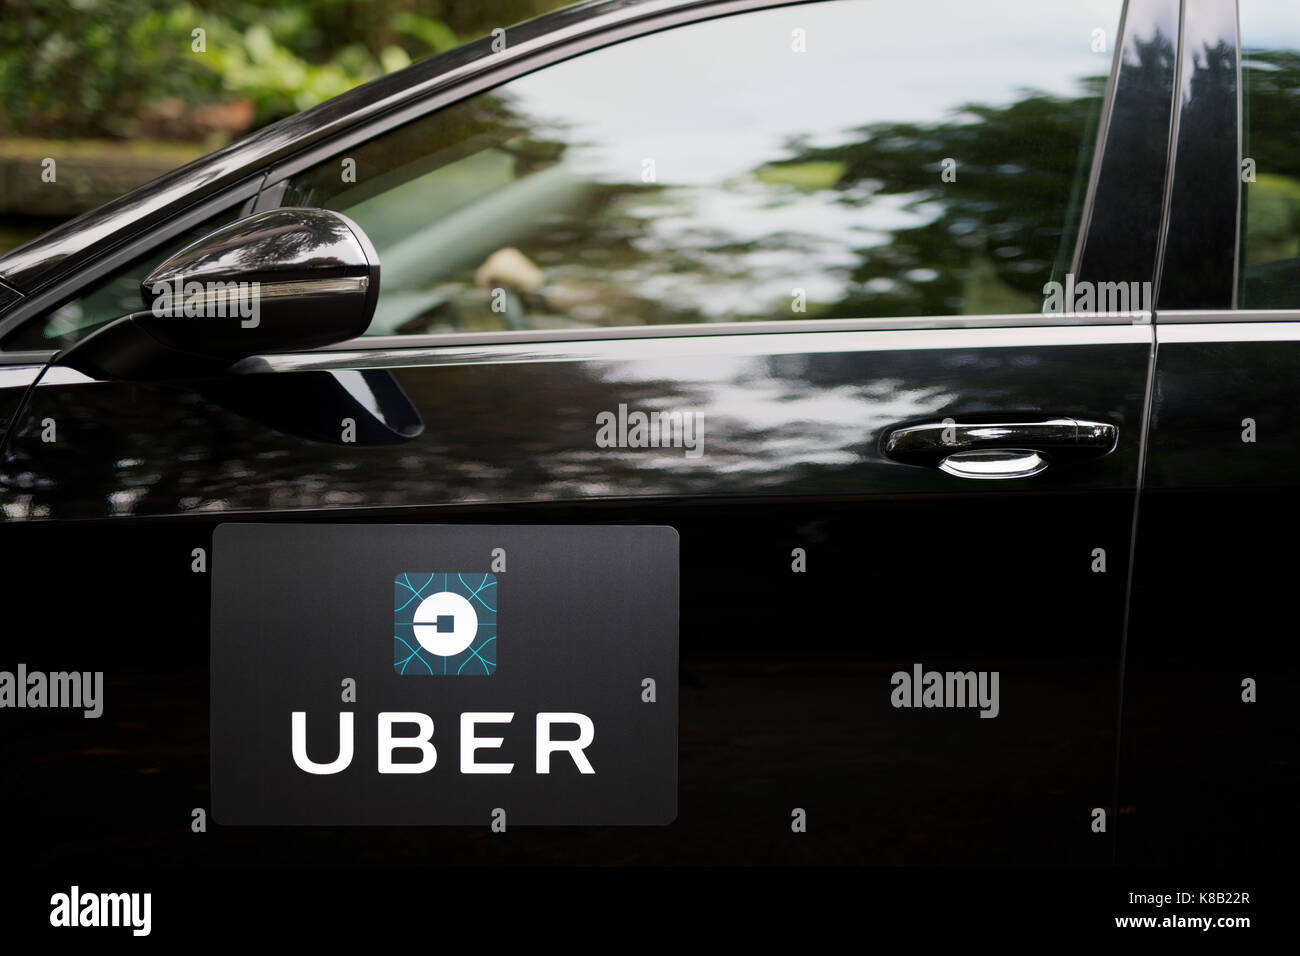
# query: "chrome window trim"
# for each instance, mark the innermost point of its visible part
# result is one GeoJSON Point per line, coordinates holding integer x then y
{"type": "Point", "coordinates": [783, 343]}
{"type": "Point", "coordinates": [19, 376]}
{"type": "Point", "coordinates": [27, 357]}
{"type": "Point", "coordinates": [757, 339]}
{"type": "Point", "coordinates": [633, 349]}
{"type": "Point", "coordinates": [692, 330]}
{"type": "Point", "coordinates": [1225, 316]}
{"type": "Point", "coordinates": [1241, 192]}
{"type": "Point", "coordinates": [1210, 331]}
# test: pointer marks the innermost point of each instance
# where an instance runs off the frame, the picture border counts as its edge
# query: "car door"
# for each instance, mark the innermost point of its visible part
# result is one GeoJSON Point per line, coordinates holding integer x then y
{"type": "Point", "coordinates": [817, 241]}
{"type": "Point", "coordinates": [1208, 770]}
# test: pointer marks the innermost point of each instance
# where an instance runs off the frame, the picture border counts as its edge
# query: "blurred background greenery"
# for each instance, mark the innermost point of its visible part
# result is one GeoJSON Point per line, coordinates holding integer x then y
{"type": "Point", "coordinates": [115, 91]}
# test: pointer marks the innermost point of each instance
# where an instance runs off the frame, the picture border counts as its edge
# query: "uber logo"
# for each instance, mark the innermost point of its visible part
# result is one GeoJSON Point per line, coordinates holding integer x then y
{"type": "Point", "coordinates": [445, 624]}
{"type": "Point", "coordinates": [557, 730]}
{"type": "Point", "coordinates": [421, 742]}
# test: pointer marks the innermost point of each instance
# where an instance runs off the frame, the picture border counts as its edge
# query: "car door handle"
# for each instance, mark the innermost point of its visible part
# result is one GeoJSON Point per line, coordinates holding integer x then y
{"type": "Point", "coordinates": [998, 450]}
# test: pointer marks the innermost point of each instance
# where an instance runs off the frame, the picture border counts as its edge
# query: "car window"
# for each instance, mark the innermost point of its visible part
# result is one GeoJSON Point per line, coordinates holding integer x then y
{"type": "Point", "coordinates": [1269, 263]}
{"type": "Point", "coordinates": [108, 298]}
{"type": "Point", "coordinates": [845, 159]}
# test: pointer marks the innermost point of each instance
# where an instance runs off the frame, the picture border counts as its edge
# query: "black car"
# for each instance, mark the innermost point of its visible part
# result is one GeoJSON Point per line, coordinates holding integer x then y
{"type": "Point", "coordinates": [951, 339]}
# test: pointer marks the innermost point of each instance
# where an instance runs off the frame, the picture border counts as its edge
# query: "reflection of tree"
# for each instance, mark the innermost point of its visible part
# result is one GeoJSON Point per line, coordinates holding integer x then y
{"type": "Point", "coordinates": [1272, 78]}
{"type": "Point", "coordinates": [1000, 230]}
{"type": "Point", "coordinates": [1017, 169]}
{"type": "Point", "coordinates": [1203, 224]}
{"type": "Point", "coordinates": [1130, 189]}
{"type": "Point", "coordinates": [798, 424]}
{"type": "Point", "coordinates": [397, 157]}
{"type": "Point", "coordinates": [985, 243]}
{"type": "Point", "coordinates": [1270, 227]}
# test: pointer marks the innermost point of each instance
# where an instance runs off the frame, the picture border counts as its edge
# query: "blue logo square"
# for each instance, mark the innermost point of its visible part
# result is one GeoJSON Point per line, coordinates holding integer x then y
{"type": "Point", "coordinates": [445, 623]}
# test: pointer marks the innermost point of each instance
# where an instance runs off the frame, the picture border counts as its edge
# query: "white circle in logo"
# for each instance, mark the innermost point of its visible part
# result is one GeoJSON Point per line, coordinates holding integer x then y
{"type": "Point", "coordinates": [445, 623]}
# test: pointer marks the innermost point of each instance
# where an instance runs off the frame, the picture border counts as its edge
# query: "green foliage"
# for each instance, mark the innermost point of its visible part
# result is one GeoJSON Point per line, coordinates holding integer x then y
{"type": "Point", "coordinates": [103, 67]}
{"type": "Point", "coordinates": [253, 65]}
{"type": "Point", "coordinates": [434, 34]}
{"type": "Point", "coordinates": [79, 68]}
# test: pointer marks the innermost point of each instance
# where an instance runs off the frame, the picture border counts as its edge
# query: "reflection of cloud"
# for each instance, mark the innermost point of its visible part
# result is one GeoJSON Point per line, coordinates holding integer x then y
{"type": "Point", "coordinates": [797, 413]}
{"type": "Point", "coordinates": [1268, 24]}
{"type": "Point", "coordinates": [734, 89]}
{"type": "Point", "coordinates": [773, 418]}
{"type": "Point", "coordinates": [774, 239]}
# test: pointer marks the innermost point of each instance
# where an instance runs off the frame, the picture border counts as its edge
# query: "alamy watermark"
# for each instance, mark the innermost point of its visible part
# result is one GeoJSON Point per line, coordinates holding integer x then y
{"type": "Point", "coordinates": [75, 690]}
{"type": "Point", "coordinates": [638, 429]}
{"type": "Point", "coordinates": [208, 300]}
{"type": "Point", "coordinates": [75, 909]}
{"type": "Point", "coordinates": [922, 688]}
{"type": "Point", "coordinates": [1126, 299]}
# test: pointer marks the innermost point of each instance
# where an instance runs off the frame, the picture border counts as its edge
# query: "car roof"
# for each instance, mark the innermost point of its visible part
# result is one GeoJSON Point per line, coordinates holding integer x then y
{"type": "Point", "coordinates": [48, 258]}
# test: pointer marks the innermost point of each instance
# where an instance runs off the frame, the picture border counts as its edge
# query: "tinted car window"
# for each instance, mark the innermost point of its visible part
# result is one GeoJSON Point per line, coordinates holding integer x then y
{"type": "Point", "coordinates": [1269, 266]}
{"type": "Point", "coordinates": [108, 298]}
{"type": "Point", "coordinates": [840, 160]}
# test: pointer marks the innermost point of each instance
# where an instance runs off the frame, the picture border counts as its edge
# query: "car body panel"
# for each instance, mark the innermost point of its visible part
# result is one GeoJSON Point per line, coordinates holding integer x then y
{"type": "Point", "coordinates": [787, 675]}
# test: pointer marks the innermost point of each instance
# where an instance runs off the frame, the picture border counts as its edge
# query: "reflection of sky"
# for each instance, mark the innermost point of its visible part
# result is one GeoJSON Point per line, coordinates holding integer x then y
{"type": "Point", "coordinates": [1270, 24]}
{"type": "Point", "coordinates": [819, 235]}
{"type": "Point", "coordinates": [712, 102]}
{"type": "Point", "coordinates": [707, 100]}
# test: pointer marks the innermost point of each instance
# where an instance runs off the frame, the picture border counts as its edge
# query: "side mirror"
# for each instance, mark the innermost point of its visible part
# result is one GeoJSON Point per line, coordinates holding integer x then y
{"type": "Point", "coordinates": [280, 281]}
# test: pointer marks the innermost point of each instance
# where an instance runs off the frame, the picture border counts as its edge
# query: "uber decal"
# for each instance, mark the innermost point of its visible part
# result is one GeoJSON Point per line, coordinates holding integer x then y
{"type": "Point", "coordinates": [551, 723]}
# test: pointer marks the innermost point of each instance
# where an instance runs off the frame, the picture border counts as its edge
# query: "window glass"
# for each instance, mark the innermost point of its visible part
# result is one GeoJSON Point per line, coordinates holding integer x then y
{"type": "Point", "coordinates": [108, 298]}
{"type": "Point", "coordinates": [844, 159]}
{"type": "Point", "coordinates": [1269, 264]}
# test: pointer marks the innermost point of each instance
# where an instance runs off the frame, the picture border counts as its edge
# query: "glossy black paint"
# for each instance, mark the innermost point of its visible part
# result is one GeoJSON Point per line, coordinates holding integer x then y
{"type": "Point", "coordinates": [8, 296]}
{"type": "Point", "coordinates": [277, 281]}
{"type": "Point", "coordinates": [1204, 393]}
{"type": "Point", "coordinates": [776, 424]}
{"type": "Point", "coordinates": [14, 385]}
{"type": "Point", "coordinates": [313, 405]}
{"type": "Point", "coordinates": [318, 278]}
{"type": "Point", "coordinates": [1200, 256]}
{"type": "Point", "coordinates": [1205, 775]}
{"type": "Point", "coordinates": [768, 716]}
{"type": "Point", "coordinates": [1122, 241]}
{"type": "Point", "coordinates": [125, 349]}
{"type": "Point", "coordinates": [792, 459]}
{"type": "Point", "coordinates": [281, 245]}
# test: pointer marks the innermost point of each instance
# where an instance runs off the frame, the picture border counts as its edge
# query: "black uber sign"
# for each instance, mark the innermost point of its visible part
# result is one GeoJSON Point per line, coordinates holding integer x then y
{"type": "Point", "coordinates": [494, 667]}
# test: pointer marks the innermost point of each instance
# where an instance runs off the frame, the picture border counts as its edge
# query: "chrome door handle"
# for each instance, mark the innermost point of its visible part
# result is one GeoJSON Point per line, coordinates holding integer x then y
{"type": "Point", "coordinates": [995, 450]}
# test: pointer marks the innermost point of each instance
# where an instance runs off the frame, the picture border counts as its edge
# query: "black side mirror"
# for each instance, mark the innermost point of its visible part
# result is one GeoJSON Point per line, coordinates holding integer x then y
{"type": "Point", "coordinates": [280, 281]}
